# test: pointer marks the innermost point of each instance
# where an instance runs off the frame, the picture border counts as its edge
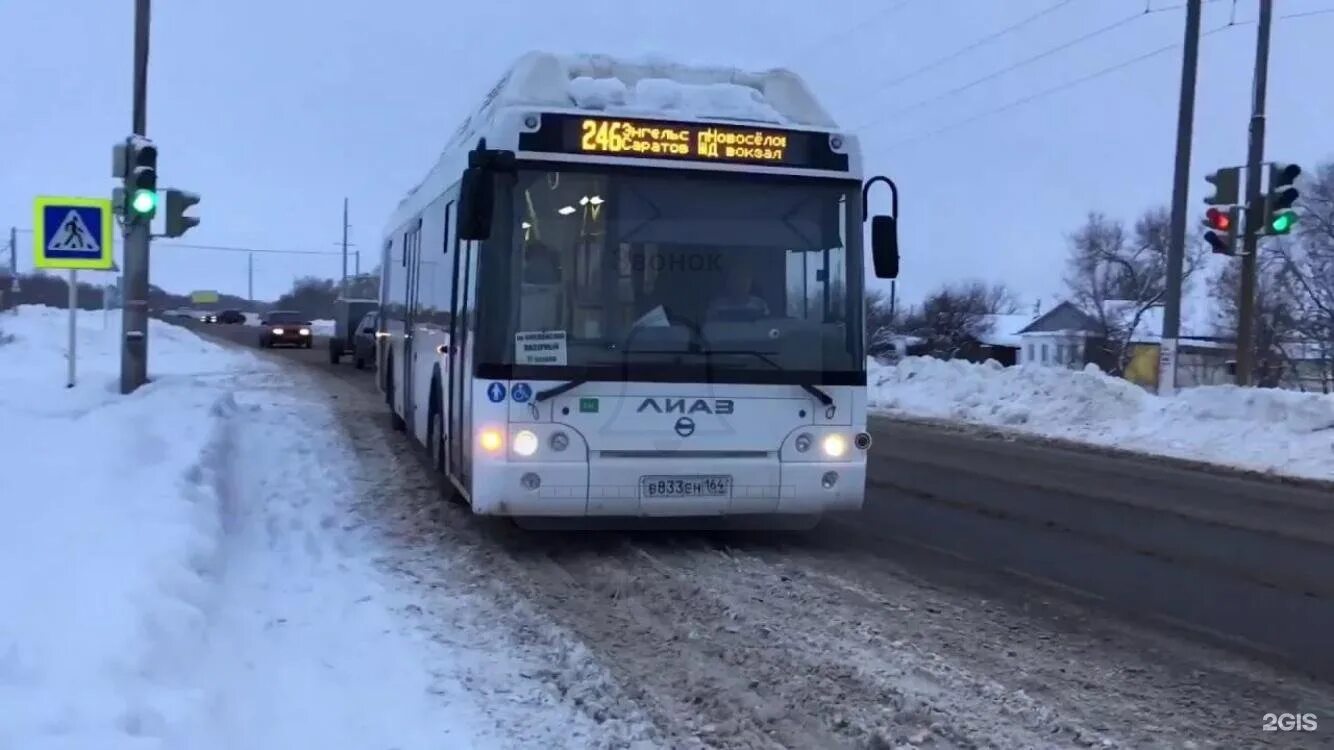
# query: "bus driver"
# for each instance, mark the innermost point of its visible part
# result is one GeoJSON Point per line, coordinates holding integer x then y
{"type": "Point", "coordinates": [735, 301]}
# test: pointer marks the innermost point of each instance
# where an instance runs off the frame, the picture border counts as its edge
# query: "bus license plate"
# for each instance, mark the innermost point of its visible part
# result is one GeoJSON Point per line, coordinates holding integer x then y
{"type": "Point", "coordinates": [687, 486]}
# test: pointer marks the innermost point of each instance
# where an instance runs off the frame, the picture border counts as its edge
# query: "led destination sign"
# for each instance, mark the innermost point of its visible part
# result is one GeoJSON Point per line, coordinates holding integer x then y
{"type": "Point", "coordinates": [687, 141]}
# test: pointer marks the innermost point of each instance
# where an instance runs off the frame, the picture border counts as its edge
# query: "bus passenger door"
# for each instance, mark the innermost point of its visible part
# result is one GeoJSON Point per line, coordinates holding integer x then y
{"type": "Point", "coordinates": [412, 258]}
{"type": "Point", "coordinates": [459, 381]}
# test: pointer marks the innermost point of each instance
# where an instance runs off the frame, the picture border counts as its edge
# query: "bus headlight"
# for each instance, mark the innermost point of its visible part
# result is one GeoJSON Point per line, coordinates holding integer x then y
{"type": "Point", "coordinates": [525, 443]}
{"type": "Point", "coordinates": [834, 445]}
{"type": "Point", "coordinates": [491, 440]}
{"type": "Point", "coordinates": [803, 442]}
{"type": "Point", "coordinates": [559, 441]}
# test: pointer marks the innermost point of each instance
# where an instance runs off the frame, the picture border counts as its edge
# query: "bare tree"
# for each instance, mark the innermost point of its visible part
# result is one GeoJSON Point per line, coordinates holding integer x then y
{"type": "Point", "coordinates": [1117, 275]}
{"type": "Point", "coordinates": [957, 315]}
{"type": "Point", "coordinates": [884, 324]}
{"type": "Point", "coordinates": [1309, 262]}
{"type": "Point", "coordinates": [312, 296]}
{"type": "Point", "coordinates": [1278, 311]}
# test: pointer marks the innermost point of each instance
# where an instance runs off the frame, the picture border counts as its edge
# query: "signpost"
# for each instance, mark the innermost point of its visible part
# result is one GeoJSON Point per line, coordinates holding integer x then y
{"type": "Point", "coordinates": [74, 234]}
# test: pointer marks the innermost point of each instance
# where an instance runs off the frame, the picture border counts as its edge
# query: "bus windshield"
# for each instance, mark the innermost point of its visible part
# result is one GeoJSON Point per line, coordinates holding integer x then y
{"type": "Point", "coordinates": [655, 274]}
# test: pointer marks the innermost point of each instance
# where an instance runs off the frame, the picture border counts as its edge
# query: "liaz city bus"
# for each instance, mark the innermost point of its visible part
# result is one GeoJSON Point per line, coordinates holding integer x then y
{"type": "Point", "coordinates": [598, 306]}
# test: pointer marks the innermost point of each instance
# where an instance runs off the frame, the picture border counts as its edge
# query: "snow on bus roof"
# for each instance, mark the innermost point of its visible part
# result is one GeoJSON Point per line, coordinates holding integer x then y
{"type": "Point", "coordinates": [646, 86]}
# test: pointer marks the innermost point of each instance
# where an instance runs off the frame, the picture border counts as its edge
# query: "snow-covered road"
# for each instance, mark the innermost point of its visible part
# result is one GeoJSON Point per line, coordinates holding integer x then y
{"type": "Point", "coordinates": [311, 644]}
{"type": "Point", "coordinates": [256, 560]}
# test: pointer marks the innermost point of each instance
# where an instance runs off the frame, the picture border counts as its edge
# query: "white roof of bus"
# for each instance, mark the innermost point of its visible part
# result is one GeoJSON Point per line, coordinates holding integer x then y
{"type": "Point", "coordinates": [645, 86]}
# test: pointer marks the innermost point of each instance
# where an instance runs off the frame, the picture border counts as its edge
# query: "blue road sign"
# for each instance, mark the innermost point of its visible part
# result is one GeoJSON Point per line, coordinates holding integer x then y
{"type": "Point", "coordinates": [521, 392]}
{"type": "Point", "coordinates": [496, 392]}
{"type": "Point", "coordinates": [73, 233]}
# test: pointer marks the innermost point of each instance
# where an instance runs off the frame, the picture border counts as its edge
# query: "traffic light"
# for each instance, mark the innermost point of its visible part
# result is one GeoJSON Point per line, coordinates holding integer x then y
{"type": "Point", "coordinates": [1222, 229]}
{"type": "Point", "coordinates": [141, 181]}
{"type": "Point", "coordinates": [1227, 187]}
{"type": "Point", "coordinates": [1279, 215]}
{"type": "Point", "coordinates": [176, 203]}
{"type": "Point", "coordinates": [1221, 220]}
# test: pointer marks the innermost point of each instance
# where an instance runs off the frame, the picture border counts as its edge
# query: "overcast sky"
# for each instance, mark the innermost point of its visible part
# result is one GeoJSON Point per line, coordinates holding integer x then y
{"type": "Point", "coordinates": [276, 110]}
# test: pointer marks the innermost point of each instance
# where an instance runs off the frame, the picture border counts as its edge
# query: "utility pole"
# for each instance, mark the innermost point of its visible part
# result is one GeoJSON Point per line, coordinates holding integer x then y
{"type": "Point", "coordinates": [1176, 249]}
{"type": "Point", "coordinates": [250, 278]}
{"type": "Point", "coordinates": [342, 290]}
{"type": "Point", "coordinates": [134, 315]}
{"type": "Point", "coordinates": [1254, 202]}
{"type": "Point", "coordinates": [13, 290]}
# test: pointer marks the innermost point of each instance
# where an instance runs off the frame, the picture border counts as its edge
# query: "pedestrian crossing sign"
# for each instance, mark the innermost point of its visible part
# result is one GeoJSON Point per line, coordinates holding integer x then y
{"type": "Point", "coordinates": [73, 233]}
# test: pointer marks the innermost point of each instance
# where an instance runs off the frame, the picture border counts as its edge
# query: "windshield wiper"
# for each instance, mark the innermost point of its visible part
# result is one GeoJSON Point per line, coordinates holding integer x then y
{"type": "Point", "coordinates": [824, 398]}
{"type": "Point", "coordinates": [820, 395]}
{"type": "Point", "coordinates": [557, 390]}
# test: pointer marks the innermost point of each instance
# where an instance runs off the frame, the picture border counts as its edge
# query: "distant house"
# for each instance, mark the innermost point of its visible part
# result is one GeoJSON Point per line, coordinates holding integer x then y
{"type": "Point", "coordinates": [1308, 366]}
{"type": "Point", "coordinates": [999, 338]}
{"type": "Point", "coordinates": [1066, 336]}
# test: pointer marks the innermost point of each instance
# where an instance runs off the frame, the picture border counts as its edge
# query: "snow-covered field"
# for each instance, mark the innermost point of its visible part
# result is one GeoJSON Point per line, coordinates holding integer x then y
{"type": "Point", "coordinates": [1282, 432]}
{"type": "Point", "coordinates": [180, 569]}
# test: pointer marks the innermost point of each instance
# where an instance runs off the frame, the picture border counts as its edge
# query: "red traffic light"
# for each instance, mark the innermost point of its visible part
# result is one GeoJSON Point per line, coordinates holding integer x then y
{"type": "Point", "coordinates": [1218, 219]}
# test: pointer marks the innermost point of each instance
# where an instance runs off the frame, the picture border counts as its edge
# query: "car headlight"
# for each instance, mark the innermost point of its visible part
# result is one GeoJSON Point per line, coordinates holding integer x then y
{"type": "Point", "coordinates": [305, 331]}
{"type": "Point", "coordinates": [525, 443]}
{"type": "Point", "coordinates": [834, 445]}
{"type": "Point", "coordinates": [277, 331]}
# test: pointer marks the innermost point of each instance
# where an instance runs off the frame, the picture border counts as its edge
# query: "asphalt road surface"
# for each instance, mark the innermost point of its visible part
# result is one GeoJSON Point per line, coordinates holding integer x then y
{"type": "Point", "coordinates": [1240, 562]}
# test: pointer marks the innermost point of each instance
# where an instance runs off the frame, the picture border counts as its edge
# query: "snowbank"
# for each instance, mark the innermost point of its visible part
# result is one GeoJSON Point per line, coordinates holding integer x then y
{"type": "Point", "coordinates": [1282, 432]}
{"type": "Point", "coordinates": [110, 530]}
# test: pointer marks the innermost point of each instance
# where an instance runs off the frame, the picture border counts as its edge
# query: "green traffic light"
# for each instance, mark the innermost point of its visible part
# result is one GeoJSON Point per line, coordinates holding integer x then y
{"type": "Point", "coordinates": [1282, 223]}
{"type": "Point", "coordinates": [144, 201]}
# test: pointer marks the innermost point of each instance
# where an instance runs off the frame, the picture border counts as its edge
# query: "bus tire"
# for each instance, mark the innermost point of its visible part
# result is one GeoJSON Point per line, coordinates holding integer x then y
{"type": "Point", "coordinates": [435, 438]}
{"type": "Point", "coordinates": [396, 422]}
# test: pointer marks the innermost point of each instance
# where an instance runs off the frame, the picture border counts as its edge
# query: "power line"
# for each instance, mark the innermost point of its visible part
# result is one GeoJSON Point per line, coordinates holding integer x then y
{"type": "Point", "coordinates": [1092, 76]}
{"type": "Point", "coordinates": [235, 249]}
{"type": "Point", "coordinates": [972, 46]}
{"type": "Point", "coordinates": [884, 13]}
{"type": "Point", "coordinates": [1015, 66]}
{"type": "Point", "coordinates": [1305, 13]}
{"type": "Point", "coordinates": [1059, 88]}
{"type": "Point", "coordinates": [227, 248]}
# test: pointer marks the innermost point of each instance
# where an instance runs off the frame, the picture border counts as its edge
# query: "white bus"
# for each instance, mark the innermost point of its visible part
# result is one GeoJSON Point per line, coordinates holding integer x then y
{"type": "Point", "coordinates": [634, 289]}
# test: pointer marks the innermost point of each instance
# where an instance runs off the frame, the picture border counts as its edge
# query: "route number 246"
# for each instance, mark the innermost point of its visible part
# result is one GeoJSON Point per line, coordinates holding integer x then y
{"type": "Point", "coordinates": [1289, 723]}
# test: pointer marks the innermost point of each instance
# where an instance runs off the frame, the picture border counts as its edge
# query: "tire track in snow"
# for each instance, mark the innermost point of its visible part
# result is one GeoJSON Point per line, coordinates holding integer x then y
{"type": "Point", "coordinates": [798, 645]}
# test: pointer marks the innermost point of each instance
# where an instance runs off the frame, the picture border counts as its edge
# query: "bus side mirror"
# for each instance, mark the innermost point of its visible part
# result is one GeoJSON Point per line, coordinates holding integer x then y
{"type": "Point", "coordinates": [885, 247]}
{"type": "Point", "coordinates": [477, 203]}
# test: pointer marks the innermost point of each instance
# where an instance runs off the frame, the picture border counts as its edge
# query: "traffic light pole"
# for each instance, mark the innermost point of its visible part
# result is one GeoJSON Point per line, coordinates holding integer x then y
{"type": "Point", "coordinates": [134, 311]}
{"type": "Point", "coordinates": [1176, 249]}
{"type": "Point", "coordinates": [1254, 203]}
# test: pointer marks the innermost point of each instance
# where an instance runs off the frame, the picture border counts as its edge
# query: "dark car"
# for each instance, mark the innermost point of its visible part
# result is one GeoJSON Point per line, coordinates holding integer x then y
{"type": "Point", "coordinates": [284, 327]}
{"type": "Point", "coordinates": [363, 340]}
{"type": "Point", "coordinates": [231, 317]}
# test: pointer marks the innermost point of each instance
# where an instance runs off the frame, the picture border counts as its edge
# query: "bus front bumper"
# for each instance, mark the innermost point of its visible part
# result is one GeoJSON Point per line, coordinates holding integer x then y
{"type": "Point", "coordinates": [666, 487]}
